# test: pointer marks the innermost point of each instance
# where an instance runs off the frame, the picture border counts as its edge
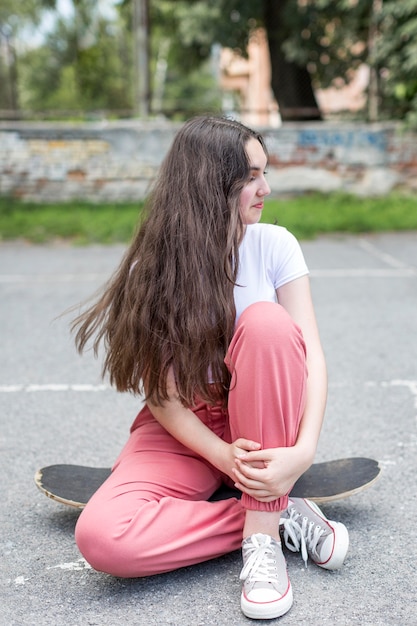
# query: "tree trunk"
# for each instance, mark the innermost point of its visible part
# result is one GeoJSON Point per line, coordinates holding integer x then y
{"type": "Point", "coordinates": [290, 83]}
{"type": "Point", "coordinates": [141, 52]}
{"type": "Point", "coordinates": [13, 97]}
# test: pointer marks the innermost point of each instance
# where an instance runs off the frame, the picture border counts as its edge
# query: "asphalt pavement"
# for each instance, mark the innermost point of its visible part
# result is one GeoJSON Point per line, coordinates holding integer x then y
{"type": "Point", "coordinates": [54, 408]}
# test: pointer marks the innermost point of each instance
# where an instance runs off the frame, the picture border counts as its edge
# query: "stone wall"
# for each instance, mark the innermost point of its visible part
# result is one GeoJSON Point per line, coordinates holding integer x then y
{"type": "Point", "coordinates": [110, 162]}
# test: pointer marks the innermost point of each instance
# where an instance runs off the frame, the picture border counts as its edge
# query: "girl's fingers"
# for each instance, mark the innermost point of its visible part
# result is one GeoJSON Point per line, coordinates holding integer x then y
{"type": "Point", "coordinates": [258, 494]}
{"type": "Point", "coordinates": [253, 482]}
{"type": "Point", "coordinates": [248, 470]}
{"type": "Point", "coordinates": [262, 496]}
{"type": "Point", "coordinates": [249, 483]}
{"type": "Point", "coordinates": [255, 455]}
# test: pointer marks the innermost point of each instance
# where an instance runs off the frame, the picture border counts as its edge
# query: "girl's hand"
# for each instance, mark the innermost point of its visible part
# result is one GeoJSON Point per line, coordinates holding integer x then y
{"type": "Point", "coordinates": [234, 451]}
{"type": "Point", "coordinates": [268, 474]}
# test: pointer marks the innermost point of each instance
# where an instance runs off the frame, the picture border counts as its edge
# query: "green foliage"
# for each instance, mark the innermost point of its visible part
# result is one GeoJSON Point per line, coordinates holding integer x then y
{"type": "Point", "coordinates": [195, 95]}
{"type": "Point", "coordinates": [334, 38]}
{"type": "Point", "coordinates": [13, 17]}
{"type": "Point", "coordinates": [86, 63]}
{"type": "Point", "coordinates": [396, 57]}
{"type": "Point", "coordinates": [179, 41]}
{"type": "Point", "coordinates": [197, 25]}
{"type": "Point", "coordinates": [77, 69]}
{"type": "Point", "coordinates": [327, 36]}
{"type": "Point", "coordinates": [15, 13]}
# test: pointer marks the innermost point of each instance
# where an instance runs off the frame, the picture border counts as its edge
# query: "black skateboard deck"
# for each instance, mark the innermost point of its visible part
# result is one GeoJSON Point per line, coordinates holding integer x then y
{"type": "Point", "coordinates": [73, 485]}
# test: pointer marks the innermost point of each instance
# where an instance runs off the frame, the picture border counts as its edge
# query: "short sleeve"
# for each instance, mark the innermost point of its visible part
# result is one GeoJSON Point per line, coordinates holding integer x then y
{"type": "Point", "coordinates": [288, 261]}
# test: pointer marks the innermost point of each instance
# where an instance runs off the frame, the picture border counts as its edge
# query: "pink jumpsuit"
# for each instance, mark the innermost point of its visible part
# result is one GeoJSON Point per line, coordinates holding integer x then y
{"type": "Point", "coordinates": [152, 514]}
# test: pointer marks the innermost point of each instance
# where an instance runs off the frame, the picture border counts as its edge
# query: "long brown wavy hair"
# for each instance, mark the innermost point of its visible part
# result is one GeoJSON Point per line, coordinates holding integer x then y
{"type": "Point", "coordinates": [171, 302]}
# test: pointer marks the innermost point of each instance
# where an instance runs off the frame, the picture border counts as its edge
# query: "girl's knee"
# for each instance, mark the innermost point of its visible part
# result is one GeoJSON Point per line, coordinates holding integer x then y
{"type": "Point", "coordinates": [268, 323]}
{"type": "Point", "coordinates": [94, 542]}
{"type": "Point", "coordinates": [104, 548]}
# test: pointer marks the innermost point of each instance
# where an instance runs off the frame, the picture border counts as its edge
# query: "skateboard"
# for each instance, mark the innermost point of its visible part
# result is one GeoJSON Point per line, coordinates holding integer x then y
{"type": "Point", "coordinates": [73, 485]}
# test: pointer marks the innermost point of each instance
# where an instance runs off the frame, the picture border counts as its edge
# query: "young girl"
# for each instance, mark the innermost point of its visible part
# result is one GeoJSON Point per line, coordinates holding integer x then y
{"type": "Point", "coordinates": [210, 316]}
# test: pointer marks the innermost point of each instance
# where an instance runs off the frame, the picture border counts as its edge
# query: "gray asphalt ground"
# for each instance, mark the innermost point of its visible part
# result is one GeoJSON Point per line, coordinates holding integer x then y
{"type": "Point", "coordinates": [54, 410]}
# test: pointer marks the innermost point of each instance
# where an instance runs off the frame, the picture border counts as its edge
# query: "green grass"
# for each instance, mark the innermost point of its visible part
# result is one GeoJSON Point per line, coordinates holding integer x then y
{"type": "Point", "coordinates": [310, 215]}
{"type": "Point", "coordinates": [306, 216]}
{"type": "Point", "coordinates": [80, 222]}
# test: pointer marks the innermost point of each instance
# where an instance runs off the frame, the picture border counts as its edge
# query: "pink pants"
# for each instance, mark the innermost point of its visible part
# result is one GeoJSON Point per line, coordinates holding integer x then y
{"type": "Point", "coordinates": [152, 514]}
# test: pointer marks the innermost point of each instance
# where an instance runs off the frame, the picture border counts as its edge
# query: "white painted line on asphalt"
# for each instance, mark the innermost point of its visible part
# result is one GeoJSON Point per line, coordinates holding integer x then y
{"type": "Point", "coordinates": [20, 580]}
{"type": "Point", "coordinates": [51, 278]}
{"type": "Point", "coordinates": [411, 385]}
{"type": "Point", "coordinates": [390, 260]}
{"type": "Point", "coordinates": [75, 566]}
{"type": "Point", "coordinates": [377, 272]}
{"type": "Point", "coordinates": [357, 272]}
{"type": "Point", "coordinates": [83, 387]}
{"type": "Point", "coordinates": [30, 388]}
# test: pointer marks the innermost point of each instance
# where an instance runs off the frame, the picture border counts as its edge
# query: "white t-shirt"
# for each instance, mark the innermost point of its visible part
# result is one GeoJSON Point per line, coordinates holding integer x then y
{"type": "Point", "coordinates": [269, 257]}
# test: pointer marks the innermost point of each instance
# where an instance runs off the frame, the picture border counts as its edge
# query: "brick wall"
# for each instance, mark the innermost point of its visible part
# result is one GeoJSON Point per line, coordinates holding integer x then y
{"type": "Point", "coordinates": [117, 161]}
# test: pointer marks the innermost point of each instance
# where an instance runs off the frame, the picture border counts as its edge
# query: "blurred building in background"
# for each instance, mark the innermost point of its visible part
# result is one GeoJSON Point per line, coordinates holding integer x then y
{"type": "Point", "coordinates": [248, 80]}
{"type": "Point", "coordinates": [246, 83]}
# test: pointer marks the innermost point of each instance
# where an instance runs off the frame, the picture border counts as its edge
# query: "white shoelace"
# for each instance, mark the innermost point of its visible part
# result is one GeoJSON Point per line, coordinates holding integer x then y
{"type": "Point", "coordinates": [261, 564]}
{"type": "Point", "coordinates": [303, 535]}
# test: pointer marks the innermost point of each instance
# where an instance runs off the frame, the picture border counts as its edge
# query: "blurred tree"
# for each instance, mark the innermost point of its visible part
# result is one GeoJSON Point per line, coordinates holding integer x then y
{"type": "Point", "coordinates": [230, 23]}
{"type": "Point", "coordinates": [395, 57]}
{"type": "Point", "coordinates": [87, 62]}
{"type": "Point", "coordinates": [290, 79]}
{"type": "Point", "coordinates": [333, 38]}
{"type": "Point", "coordinates": [184, 66]}
{"type": "Point", "coordinates": [14, 16]}
{"type": "Point", "coordinates": [83, 65]}
{"type": "Point", "coordinates": [315, 42]}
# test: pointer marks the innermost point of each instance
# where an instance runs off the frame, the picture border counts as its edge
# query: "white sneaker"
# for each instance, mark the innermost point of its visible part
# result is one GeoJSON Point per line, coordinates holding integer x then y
{"type": "Point", "coordinates": [306, 528]}
{"type": "Point", "coordinates": [266, 591]}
